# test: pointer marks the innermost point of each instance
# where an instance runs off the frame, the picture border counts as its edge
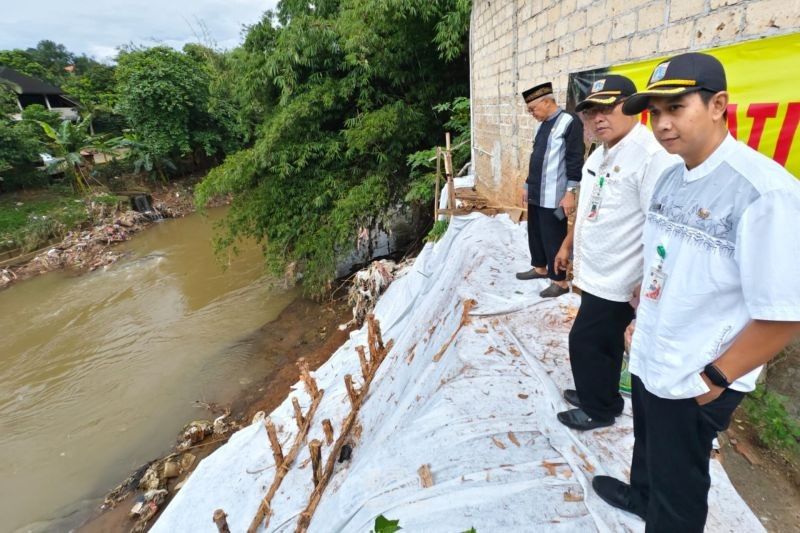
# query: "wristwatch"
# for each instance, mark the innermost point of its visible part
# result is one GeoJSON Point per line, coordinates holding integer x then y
{"type": "Point", "coordinates": [716, 376]}
{"type": "Point", "coordinates": [573, 190]}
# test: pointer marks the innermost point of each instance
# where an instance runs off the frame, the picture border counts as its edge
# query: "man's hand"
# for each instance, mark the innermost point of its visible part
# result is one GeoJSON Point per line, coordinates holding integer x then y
{"type": "Point", "coordinates": [568, 203]}
{"type": "Point", "coordinates": [629, 335]}
{"type": "Point", "coordinates": [561, 260]}
{"type": "Point", "coordinates": [711, 395]}
{"type": "Point", "coordinates": [524, 197]}
{"type": "Point", "coordinates": [637, 291]}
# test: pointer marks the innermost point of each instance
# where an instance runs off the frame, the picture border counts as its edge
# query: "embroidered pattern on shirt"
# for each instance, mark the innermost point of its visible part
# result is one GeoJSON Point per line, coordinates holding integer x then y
{"type": "Point", "coordinates": [692, 235]}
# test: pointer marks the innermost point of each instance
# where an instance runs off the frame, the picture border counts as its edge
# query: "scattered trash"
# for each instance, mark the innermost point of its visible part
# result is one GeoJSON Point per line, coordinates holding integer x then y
{"type": "Point", "coordinates": [195, 432]}
{"type": "Point", "coordinates": [346, 453]}
{"type": "Point", "coordinates": [171, 469]}
{"type": "Point", "coordinates": [369, 283]}
{"type": "Point", "coordinates": [150, 479]}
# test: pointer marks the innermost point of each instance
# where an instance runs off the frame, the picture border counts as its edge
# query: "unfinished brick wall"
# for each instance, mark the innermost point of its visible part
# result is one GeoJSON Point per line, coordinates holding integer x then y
{"type": "Point", "coordinates": [516, 44]}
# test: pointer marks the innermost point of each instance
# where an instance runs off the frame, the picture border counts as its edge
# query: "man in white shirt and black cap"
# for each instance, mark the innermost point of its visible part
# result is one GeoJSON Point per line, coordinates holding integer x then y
{"type": "Point", "coordinates": [720, 292]}
{"type": "Point", "coordinates": [553, 176]}
{"type": "Point", "coordinates": [618, 179]}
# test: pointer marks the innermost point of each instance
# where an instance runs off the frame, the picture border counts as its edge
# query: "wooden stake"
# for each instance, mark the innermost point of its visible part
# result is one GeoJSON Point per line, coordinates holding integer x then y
{"type": "Point", "coordinates": [425, 476]}
{"type": "Point", "coordinates": [220, 519]}
{"type": "Point", "coordinates": [264, 510]}
{"type": "Point", "coordinates": [277, 453]}
{"type": "Point", "coordinates": [310, 382]}
{"type": "Point", "coordinates": [362, 357]}
{"type": "Point", "coordinates": [327, 427]}
{"type": "Point", "coordinates": [351, 392]}
{"type": "Point", "coordinates": [298, 413]}
{"type": "Point", "coordinates": [448, 170]}
{"type": "Point", "coordinates": [438, 177]}
{"type": "Point", "coordinates": [314, 448]}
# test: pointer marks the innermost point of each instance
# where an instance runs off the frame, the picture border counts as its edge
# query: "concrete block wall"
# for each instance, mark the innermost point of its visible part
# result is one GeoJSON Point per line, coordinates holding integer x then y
{"type": "Point", "coordinates": [516, 44]}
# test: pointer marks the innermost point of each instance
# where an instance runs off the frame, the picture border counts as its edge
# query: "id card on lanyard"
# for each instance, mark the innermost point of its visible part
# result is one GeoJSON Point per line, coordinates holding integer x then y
{"type": "Point", "coordinates": [596, 198]}
{"type": "Point", "coordinates": [657, 277]}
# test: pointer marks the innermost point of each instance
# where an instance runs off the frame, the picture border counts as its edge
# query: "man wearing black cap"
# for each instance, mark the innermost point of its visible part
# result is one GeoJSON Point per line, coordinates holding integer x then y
{"type": "Point", "coordinates": [618, 179]}
{"type": "Point", "coordinates": [719, 297]}
{"type": "Point", "coordinates": [553, 176]}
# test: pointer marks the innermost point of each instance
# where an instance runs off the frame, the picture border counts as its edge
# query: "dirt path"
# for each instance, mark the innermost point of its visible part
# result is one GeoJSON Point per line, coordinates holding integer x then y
{"type": "Point", "coordinates": [766, 481]}
{"type": "Point", "coordinates": [306, 330]}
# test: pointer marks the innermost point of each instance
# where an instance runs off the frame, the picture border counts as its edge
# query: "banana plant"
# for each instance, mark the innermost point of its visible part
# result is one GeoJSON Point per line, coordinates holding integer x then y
{"type": "Point", "coordinates": [67, 141]}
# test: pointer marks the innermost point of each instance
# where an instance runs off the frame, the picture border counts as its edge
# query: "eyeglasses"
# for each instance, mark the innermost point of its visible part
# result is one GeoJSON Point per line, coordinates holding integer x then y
{"type": "Point", "coordinates": [601, 109]}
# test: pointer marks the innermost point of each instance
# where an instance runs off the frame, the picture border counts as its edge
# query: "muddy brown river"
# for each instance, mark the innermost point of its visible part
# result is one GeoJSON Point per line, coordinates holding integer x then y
{"type": "Point", "coordinates": [99, 372]}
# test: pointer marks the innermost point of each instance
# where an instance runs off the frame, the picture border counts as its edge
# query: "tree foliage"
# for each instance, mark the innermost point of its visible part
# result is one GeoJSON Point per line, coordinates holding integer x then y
{"type": "Point", "coordinates": [165, 96]}
{"type": "Point", "coordinates": [334, 96]}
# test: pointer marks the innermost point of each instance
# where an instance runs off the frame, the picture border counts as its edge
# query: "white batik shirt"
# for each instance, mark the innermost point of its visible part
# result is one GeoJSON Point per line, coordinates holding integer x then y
{"type": "Point", "coordinates": [729, 231]}
{"type": "Point", "coordinates": [608, 233]}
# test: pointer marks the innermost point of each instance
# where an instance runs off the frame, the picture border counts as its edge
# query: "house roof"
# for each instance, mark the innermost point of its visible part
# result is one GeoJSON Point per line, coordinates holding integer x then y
{"type": "Point", "coordinates": [22, 84]}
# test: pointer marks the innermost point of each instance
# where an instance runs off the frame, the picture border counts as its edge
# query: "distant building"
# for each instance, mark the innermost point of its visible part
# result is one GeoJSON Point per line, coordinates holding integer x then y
{"type": "Point", "coordinates": [34, 91]}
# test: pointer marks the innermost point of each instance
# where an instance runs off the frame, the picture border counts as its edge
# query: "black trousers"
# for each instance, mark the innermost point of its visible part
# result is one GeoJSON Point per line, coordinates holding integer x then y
{"type": "Point", "coordinates": [545, 235]}
{"type": "Point", "coordinates": [671, 451]}
{"type": "Point", "coordinates": [596, 346]}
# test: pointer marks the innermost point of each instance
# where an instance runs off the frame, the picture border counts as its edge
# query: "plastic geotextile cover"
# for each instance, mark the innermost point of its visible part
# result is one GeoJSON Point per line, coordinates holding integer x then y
{"type": "Point", "coordinates": [472, 398]}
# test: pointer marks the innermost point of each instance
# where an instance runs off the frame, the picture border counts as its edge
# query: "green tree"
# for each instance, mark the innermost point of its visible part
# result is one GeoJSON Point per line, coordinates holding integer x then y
{"type": "Point", "coordinates": [164, 95]}
{"type": "Point", "coordinates": [340, 92]}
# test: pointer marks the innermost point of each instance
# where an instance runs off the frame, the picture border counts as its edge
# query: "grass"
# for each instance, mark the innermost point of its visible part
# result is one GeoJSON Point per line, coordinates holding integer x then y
{"type": "Point", "coordinates": [437, 231]}
{"type": "Point", "coordinates": [28, 219]}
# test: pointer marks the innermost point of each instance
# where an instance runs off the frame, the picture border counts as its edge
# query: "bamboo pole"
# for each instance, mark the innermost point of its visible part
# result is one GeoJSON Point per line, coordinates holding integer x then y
{"type": "Point", "coordinates": [448, 170]}
{"type": "Point", "coordinates": [362, 357]}
{"type": "Point", "coordinates": [264, 510]}
{"type": "Point", "coordinates": [327, 427]}
{"type": "Point", "coordinates": [221, 520]}
{"type": "Point", "coordinates": [314, 449]}
{"type": "Point", "coordinates": [438, 177]}
{"type": "Point", "coordinates": [310, 382]}
{"type": "Point", "coordinates": [298, 413]}
{"type": "Point", "coordinates": [351, 391]}
{"type": "Point", "coordinates": [326, 474]}
{"type": "Point", "coordinates": [277, 453]}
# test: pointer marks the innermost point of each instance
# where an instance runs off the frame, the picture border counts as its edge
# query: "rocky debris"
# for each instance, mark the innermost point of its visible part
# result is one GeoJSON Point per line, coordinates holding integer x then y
{"type": "Point", "coordinates": [88, 250]}
{"type": "Point", "coordinates": [369, 283]}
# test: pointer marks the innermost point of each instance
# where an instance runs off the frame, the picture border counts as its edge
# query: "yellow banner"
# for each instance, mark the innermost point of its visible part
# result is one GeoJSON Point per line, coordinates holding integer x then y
{"type": "Point", "coordinates": [764, 83]}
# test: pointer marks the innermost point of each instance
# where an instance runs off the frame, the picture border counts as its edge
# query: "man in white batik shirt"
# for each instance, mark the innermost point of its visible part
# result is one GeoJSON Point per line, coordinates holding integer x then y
{"type": "Point", "coordinates": [618, 179]}
{"type": "Point", "coordinates": [719, 297]}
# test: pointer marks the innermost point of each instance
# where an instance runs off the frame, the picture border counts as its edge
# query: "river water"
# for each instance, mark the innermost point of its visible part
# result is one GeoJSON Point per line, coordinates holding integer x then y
{"type": "Point", "coordinates": [99, 372]}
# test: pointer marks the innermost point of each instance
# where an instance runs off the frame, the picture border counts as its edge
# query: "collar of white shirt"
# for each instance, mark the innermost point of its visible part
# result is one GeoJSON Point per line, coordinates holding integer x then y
{"type": "Point", "coordinates": [712, 162]}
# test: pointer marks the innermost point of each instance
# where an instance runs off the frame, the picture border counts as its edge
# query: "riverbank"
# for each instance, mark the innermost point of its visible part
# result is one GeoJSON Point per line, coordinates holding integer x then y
{"type": "Point", "coordinates": [106, 220]}
{"type": "Point", "coordinates": [305, 331]}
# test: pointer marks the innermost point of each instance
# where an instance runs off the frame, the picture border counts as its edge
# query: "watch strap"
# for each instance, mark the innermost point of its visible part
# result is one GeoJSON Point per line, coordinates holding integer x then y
{"type": "Point", "coordinates": [716, 376]}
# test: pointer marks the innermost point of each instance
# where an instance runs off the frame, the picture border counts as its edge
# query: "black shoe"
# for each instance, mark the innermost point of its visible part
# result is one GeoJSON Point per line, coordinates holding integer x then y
{"type": "Point", "coordinates": [577, 419]}
{"type": "Point", "coordinates": [530, 274]}
{"type": "Point", "coordinates": [571, 395]}
{"type": "Point", "coordinates": [553, 291]}
{"type": "Point", "coordinates": [616, 494]}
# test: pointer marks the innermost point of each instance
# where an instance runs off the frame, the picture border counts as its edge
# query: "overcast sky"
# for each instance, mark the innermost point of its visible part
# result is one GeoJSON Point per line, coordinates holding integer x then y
{"type": "Point", "coordinates": [97, 27]}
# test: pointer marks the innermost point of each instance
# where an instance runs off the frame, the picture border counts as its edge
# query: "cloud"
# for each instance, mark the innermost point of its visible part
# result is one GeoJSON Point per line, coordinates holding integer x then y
{"type": "Point", "coordinates": [98, 27]}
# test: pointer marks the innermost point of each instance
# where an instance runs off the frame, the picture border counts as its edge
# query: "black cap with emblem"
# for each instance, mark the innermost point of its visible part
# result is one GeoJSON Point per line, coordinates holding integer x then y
{"type": "Point", "coordinates": [607, 91]}
{"type": "Point", "coordinates": [679, 75]}
{"type": "Point", "coordinates": [535, 92]}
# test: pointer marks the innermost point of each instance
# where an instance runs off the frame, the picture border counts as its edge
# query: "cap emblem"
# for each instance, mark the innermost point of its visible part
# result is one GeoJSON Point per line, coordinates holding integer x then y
{"type": "Point", "coordinates": [598, 85]}
{"type": "Point", "coordinates": [659, 72]}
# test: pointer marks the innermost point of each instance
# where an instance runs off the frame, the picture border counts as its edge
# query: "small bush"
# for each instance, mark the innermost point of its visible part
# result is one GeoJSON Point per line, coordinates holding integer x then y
{"type": "Point", "coordinates": [774, 426]}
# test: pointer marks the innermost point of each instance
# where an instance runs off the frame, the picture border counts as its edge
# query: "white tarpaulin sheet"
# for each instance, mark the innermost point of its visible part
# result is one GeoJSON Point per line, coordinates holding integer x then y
{"type": "Point", "coordinates": [483, 416]}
